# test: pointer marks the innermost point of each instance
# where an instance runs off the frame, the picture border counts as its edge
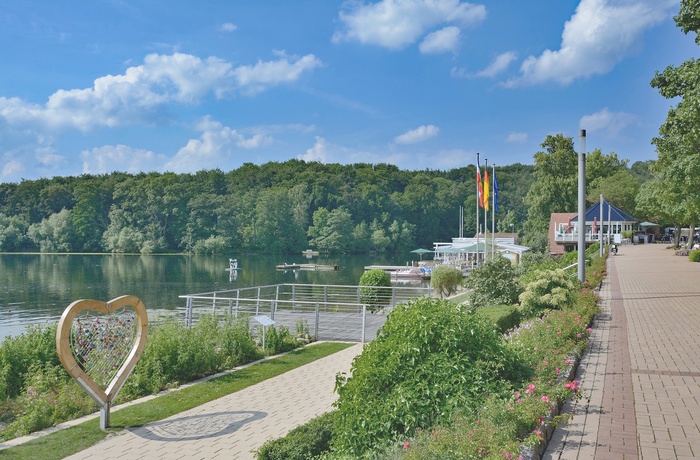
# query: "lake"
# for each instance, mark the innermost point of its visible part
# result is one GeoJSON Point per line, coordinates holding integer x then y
{"type": "Point", "coordinates": [36, 288]}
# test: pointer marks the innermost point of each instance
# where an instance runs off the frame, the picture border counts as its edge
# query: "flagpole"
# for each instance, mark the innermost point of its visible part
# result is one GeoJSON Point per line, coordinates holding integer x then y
{"type": "Point", "coordinates": [493, 214]}
{"type": "Point", "coordinates": [478, 174]}
{"type": "Point", "coordinates": [486, 212]}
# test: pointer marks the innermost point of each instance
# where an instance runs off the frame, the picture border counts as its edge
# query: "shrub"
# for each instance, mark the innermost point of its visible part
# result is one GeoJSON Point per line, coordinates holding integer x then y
{"type": "Point", "coordinates": [302, 443]}
{"type": "Point", "coordinates": [430, 359]}
{"type": "Point", "coordinates": [505, 317]}
{"type": "Point", "coordinates": [694, 255]}
{"type": "Point", "coordinates": [374, 294]}
{"type": "Point", "coordinates": [278, 340]}
{"type": "Point", "coordinates": [552, 289]}
{"type": "Point", "coordinates": [493, 283]}
{"type": "Point", "coordinates": [445, 279]}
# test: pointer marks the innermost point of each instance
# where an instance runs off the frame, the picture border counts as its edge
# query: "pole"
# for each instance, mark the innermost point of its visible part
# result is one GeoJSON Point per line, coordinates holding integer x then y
{"type": "Point", "coordinates": [582, 207]}
{"type": "Point", "coordinates": [477, 208]}
{"type": "Point", "coordinates": [493, 216]}
{"type": "Point", "coordinates": [486, 213]}
{"type": "Point", "coordinates": [600, 238]}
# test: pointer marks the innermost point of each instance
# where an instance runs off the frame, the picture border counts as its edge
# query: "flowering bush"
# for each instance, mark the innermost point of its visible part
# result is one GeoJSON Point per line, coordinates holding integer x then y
{"type": "Point", "coordinates": [493, 283]}
{"type": "Point", "coordinates": [551, 290]}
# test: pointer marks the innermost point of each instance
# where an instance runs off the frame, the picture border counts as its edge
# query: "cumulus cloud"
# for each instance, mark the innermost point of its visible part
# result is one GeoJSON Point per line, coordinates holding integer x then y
{"type": "Point", "coordinates": [141, 92]}
{"type": "Point", "coordinates": [255, 78]}
{"type": "Point", "coordinates": [600, 34]}
{"type": "Point", "coordinates": [610, 123]}
{"type": "Point", "coordinates": [499, 64]}
{"type": "Point", "coordinates": [419, 134]}
{"type": "Point", "coordinates": [516, 138]}
{"type": "Point", "coordinates": [442, 41]}
{"type": "Point", "coordinates": [109, 158]}
{"type": "Point", "coordinates": [318, 152]}
{"type": "Point", "coordinates": [395, 24]}
{"type": "Point", "coordinates": [216, 143]}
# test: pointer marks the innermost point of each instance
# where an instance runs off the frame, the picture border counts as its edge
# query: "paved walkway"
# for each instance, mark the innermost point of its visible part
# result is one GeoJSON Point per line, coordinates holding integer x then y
{"type": "Point", "coordinates": [234, 425]}
{"type": "Point", "coordinates": [642, 369]}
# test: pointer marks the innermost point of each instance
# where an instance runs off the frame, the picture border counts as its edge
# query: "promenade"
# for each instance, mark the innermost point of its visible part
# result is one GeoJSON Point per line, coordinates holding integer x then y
{"type": "Point", "coordinates": [642, 370]}
{"type": "Point", "coordinates": [233, 426]}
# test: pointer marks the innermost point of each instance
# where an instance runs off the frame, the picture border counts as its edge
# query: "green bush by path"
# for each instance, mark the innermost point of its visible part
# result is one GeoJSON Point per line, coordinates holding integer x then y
{"type": "Point", "coordinates": [493, 283]}
{"type": "Point", "coordinates": [430, 359]}
{"type": "Point", "coordinates": [694, 255]}
{"type": "Point", "coordinates": [374, 292]}
{"type": "Point", "coordinates": [303, 442]}
{"type": "Point", "coordinates": [551, 289]}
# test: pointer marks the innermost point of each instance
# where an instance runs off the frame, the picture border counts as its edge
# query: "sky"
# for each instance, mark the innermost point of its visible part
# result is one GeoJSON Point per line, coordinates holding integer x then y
{"type": "Point", "coordinates": [92, 87]}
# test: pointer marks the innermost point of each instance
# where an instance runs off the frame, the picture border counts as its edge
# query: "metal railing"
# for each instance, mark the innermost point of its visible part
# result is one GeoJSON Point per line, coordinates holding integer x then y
{"type": "Point", "coordinates": [331, 312]}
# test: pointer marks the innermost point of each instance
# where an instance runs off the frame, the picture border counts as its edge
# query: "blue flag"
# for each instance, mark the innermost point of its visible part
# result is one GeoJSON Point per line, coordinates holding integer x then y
{"type": "Point", "coordinates": [495, 191]}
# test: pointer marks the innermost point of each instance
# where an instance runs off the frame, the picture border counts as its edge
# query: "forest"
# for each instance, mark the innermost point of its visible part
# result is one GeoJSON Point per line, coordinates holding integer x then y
{"type": "Point", "coordinates": [294, 205]}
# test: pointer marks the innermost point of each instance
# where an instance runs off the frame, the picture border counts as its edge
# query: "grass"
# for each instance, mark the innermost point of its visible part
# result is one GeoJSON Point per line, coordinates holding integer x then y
{"type": "Point", "coordinates": [72, 440]}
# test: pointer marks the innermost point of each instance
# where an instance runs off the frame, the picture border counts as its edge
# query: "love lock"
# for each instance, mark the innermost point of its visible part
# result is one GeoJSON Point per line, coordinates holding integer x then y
{"type": "Point", "coordinates": [100, 351]}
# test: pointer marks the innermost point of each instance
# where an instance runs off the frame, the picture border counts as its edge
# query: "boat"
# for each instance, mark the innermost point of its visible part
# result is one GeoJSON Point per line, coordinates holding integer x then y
{"type": "Point", "coordinates": [310, 252]}
{"type": "Point", "coordinates": [317, 267]}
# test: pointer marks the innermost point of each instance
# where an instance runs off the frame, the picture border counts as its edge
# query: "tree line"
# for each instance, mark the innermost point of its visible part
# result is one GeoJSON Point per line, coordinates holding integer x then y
{"type": "Point", "coordinates": [289, 206]}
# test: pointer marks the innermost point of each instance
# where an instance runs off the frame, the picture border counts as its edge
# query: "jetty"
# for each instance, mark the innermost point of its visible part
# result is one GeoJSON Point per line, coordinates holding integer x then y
{"type": "Point", "coordinates": [313, 267]}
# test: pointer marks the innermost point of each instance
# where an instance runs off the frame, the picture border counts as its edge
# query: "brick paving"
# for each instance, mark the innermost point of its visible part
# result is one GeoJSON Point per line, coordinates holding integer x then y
{"type": "Point", "coordinates": [233, 426]}
{"type": "Point", "coordinates": [642, 369]}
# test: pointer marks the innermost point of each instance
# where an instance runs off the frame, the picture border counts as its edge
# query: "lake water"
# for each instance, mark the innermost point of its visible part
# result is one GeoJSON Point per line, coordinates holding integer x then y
{"type": "Point", "coordinates": [36, 288]}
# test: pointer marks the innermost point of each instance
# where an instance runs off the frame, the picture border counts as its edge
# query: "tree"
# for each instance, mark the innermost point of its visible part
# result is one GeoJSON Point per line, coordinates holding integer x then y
{"type": "Point", "coordinates": [678, 143]}
{"type": "Point", "coordinates": [445, 280]}
{"type": "Point", "coordinates": [620, 189]}
{"type": "Point", "coordinates": [332, 231]}
{"type": "Point", "coordinates": [54, 233]}
{"type": "Point", "coordinates": [376, 292]}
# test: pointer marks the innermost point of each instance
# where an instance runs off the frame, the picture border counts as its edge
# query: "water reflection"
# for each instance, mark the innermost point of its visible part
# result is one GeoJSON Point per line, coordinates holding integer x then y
{"type": "Point", "coordinates": [36, 288]}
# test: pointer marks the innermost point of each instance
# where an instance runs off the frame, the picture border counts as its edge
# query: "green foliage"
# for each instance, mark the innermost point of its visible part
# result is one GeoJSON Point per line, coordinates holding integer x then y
{"type": "Point", "coordinates": [374, 292]}
{"type": "Point", "coordinates": [430, 360]}
{"type": "Point", "coordinates": [37, 346]}
{"type": "Point", "coordinates": [551, 289]}
{"type": "Point", "coordinates": [445, 280]}
{"type": "Point", "coordinates": [493, 283]}
{"type": "Point", "coordinates": [215, 244]}
{"type": "Point", "coordinates": [505, 317]}
{"type": "Point", "coordinates": [278, 340]}
{"type": "Point", "coordinates": [302, 443]}
{"type": "Point", "coordinates": [176, 354]}
{"type": "Point", "coordinates": [694, 255]}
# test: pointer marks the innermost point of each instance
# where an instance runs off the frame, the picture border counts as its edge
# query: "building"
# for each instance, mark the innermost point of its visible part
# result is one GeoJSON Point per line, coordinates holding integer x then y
{"type": "Point", "coordinates": [467, 252]}
{"type": "Point", "coordinates": [606, 224]}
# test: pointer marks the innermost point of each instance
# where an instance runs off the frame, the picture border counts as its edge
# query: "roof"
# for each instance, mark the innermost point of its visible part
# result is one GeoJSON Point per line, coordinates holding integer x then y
{"type": "Point", "coordinates": [610, 213]}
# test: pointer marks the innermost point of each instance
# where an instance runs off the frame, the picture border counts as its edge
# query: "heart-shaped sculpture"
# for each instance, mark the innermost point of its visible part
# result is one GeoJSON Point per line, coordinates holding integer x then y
{"type": "Point", "coordinates": [100, 351]}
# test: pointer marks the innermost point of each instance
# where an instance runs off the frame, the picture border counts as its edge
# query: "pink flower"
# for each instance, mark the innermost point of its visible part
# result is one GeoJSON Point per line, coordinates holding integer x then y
{"type": "Point", "coordinates": [557, 370]}
{"type": "Point", "coordinates": [567, 361]}
{"type": "Point", "coordinates": [507, 454]}
{"type": "Point", "coordinates": [573, 386]}
{"type": "Point", "coordinates": [407, 445]}
{"type": "Point", "coordinates": [558, 332]}
{"type": "Point", "coordinates": [545, 363]}
{"type": "Point", "coordinates": [538, 433]}
{"type": "Point", "coordinates": [589, 330]}
{"type": "Point", "coordinates": [578, 336]}
{"type": "Point", "coordinates": [530, 389]}
{"type": "Point", "coordinates": [545, 399]}
{"type": "Point", "coordinates": [517, 395]}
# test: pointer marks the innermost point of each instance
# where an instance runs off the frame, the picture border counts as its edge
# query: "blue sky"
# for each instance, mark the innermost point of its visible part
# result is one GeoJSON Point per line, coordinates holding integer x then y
{"type": "Point", "coordinates": [121, 85]}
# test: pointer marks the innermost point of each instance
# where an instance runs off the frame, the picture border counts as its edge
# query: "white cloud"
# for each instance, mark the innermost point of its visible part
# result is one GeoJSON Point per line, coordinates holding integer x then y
{"type": "Point", "coordinates": [395, 24]}
{"type": "Point", "coordinates": [419, 134]}
{"type": "Point", "coordinates": [442, 41]}
{"type": "Point", "coordinates": [516, 138]}
{"type": "Point", "coordinates": [11, 170]}
{"type": "Point", "coordinates": [610, 123]}
{"type": "Point", "coordinates": [600, 34]}
{"type": "Point", "coordinates": [216, 143]}
{"type": "Point", "coordinates": [499, 64]}
{"type": "Point", "coordinates": [256, 78]}
{"type": "Point", "coordinates": [139, 94]}
{"type": "Point", "coordinates": [228, 27]}
{"type": "Point", "coordinates": [109, 158]}
{"type": "Point", "coordinates": [318, 152]}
